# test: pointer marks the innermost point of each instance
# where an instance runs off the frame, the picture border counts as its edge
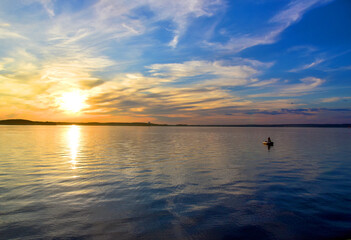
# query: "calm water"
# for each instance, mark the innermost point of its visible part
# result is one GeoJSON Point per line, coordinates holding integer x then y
{"type": "Point", "coordinates": [99, 182]}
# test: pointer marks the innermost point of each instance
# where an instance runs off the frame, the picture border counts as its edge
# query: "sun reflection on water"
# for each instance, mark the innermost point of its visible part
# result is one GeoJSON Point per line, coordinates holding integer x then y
{"type": "Point", "coordinates": [73, 137]}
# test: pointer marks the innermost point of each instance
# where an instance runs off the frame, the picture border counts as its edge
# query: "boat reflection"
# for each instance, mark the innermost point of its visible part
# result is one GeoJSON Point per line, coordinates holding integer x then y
{"type": "Point", "coordinates": [73, 139]}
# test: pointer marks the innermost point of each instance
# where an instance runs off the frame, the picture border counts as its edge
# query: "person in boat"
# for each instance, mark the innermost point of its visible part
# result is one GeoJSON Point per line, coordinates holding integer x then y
{"type": "Point", "coordinates": [269, 140]}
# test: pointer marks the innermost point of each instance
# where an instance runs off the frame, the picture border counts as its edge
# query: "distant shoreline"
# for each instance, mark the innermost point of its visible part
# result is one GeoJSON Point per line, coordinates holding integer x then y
{"type": "Point", "coordinates": [29, 122]}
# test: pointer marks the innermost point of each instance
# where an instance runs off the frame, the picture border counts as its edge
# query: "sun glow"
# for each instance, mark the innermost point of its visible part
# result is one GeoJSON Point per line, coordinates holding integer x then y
{"type": "Point", "coordinates": [72, 102]}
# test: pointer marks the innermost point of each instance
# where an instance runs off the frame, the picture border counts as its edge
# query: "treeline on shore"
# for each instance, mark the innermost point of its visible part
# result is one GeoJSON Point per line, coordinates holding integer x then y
{"type": "Point", "coordinates": [29, 122]}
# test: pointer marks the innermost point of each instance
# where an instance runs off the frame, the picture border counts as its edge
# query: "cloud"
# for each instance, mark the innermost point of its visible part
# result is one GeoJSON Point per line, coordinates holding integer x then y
{"type": "Point", "coordinates": [295, 11]}
{"type": "Point", "coordinates": [274, 27]}
{"type": "Point", "coordinates": [205, 73]}
{"type": "Point", "coordinates": [241, 42]}
{"type": "Point", "coordinates": [342, 68]}
{"type": "Point", "coordinates": [305, 86]}
{"type": "Point", "coordinates": [117, 20]}
{"type": "Point", "coordinates": [335, 99]}
{"type": "Point", "coordinates": [7, 33]}
{"type": "Point", "coordinates": [163, 92]}
{"type": "Point", "coordinates": [264, 83]}
{"type": "Point", "coordinates": [180, 13]}
{"type": "Point", "coordinates": [306, 50]}
{"type": "Point", "coordinates": [298, 111]}
{"type": "Point", "coordinates": [307, 66]}
{"type": "Point", "coordinates": [64, 73]}
{"type": "Point", "coordinates": [49, 6]}
{"type": "Point", "coordinates": [159, 101]}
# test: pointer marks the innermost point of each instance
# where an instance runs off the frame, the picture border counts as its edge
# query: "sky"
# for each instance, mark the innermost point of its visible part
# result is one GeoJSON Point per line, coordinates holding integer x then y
{"type": "Point", "coordinates": [184, 61]}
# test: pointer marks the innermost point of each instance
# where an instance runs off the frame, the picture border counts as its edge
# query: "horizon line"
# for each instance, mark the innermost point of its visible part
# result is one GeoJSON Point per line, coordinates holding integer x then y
{"type": "Point", "coordinates": [31, 122]}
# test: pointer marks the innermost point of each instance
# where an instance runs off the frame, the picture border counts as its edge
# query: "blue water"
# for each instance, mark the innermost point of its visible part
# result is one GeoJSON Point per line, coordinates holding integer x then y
{"type": "Point", "coordinates": [102, 182]}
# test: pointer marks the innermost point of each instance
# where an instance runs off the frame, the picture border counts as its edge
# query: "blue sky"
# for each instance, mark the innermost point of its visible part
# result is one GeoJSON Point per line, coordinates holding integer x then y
{"type": "Point", "coordinates": [194, 61]}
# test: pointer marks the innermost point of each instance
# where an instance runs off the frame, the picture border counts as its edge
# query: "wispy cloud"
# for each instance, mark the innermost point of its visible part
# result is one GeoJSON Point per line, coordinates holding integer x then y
{"type": "Point", "coordinates": [335, 99]}
{"type": "Point", "coordinates": [49, 6]}
{"type": "Point", "coordinates": [308, 66]}
{"type": "Point", "coordinates": [6, 32]}
{"type": "Point", "coordinates": [295, 11]}
{"type": "Point", "coordinates": [298, 111]}
{"type": "Point", "coordinates": [237, 72]}
{"type": "Point", "coordinates": [179, 13]}
{"type": "Point", "coordinates": [305, 86]}
{"type": "Point", "coordinates": [241, 42]}
{"type": "Point", "coordinates": [264, 82]}
{"type": "Point", "coordinates": [274, 27]}
{"type": "Point", "coordinates": [208, 73]}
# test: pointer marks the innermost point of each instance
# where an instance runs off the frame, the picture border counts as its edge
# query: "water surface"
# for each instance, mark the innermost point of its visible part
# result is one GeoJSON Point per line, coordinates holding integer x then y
{"type": "Point", "coordinates": [110, 182]}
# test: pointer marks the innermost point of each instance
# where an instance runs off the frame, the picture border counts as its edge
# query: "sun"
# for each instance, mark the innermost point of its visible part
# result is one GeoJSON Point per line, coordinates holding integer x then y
{"type": "Point", "coordinates": [72, 102]}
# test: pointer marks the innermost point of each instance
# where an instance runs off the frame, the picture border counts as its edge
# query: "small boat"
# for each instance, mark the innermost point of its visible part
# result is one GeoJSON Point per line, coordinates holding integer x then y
{"type": "Point", "coordinates": [268, 143]}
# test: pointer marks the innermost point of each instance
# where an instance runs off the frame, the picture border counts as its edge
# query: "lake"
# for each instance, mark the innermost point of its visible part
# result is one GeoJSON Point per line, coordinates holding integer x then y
{"type": "Point", "coordinates": [112, 182]}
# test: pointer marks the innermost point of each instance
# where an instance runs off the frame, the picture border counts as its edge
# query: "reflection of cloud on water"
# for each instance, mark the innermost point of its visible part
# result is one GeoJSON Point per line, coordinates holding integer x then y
{"type": "Point", "coordinates": [73, 138]}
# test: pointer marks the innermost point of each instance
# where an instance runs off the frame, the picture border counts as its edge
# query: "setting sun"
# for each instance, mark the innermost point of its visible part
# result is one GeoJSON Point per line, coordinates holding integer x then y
{"type": "Point", "coordinates": [72, 101]}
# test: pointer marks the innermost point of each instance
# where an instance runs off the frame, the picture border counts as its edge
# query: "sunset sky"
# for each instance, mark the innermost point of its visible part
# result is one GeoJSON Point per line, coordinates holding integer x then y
{"type": "Point", "coordinates": [184, 61]}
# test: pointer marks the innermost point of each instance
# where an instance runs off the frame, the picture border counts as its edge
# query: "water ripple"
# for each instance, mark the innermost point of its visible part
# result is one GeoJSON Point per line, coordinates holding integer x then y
{"type": "Point", "coordinates": [73, 182]}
